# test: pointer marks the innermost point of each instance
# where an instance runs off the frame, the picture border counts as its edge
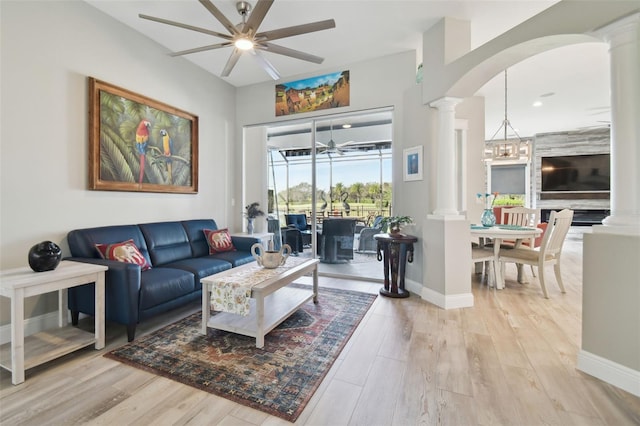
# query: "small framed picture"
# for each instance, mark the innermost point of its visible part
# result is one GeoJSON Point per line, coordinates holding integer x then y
{"type": "Point", "coordinates": [413, 163]}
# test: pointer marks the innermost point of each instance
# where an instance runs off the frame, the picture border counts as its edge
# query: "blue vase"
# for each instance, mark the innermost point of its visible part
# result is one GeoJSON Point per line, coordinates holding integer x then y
{"type": "Point", "coordinates": [488, 219]}
{"type": "Point", "coordinates": [250, 226]}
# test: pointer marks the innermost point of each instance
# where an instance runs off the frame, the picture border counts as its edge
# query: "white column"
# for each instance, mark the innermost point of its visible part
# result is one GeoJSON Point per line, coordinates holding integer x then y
{"type": "Point", "coordinates": [446, 173]}
{"type": "Point", "coordinates": [623, 37]}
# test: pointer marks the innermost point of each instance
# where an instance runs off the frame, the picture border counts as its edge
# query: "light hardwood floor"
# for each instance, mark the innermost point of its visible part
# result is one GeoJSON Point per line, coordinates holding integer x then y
{"type": "Point", "coordinates": [508, 360]}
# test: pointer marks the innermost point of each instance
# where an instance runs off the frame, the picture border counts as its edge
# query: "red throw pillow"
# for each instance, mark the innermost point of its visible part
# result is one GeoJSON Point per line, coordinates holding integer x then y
{"type": "Point", "coordinates": [219, 240]}
{"type": "Point", "coordinates": [125, 251]}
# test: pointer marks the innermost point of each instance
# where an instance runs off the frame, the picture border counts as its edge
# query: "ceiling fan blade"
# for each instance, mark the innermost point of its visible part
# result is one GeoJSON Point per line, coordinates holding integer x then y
{"type": "Point", "coordinates": [257, 16]}
{"type": "Point", "coordinates": [280, 50]}
{"type": "Point", "coordinates": [231, 62]}
{"type": "Point", "coordinates": [220, 17]}
{"type": "Point", "coordinates": [185, 26]}
{"type": "Point", "coordinates": [297, 29]}
{"type": "Point", "coordinates": [201, 49]}
{"type": "Point", "coordinates": [266, 65]}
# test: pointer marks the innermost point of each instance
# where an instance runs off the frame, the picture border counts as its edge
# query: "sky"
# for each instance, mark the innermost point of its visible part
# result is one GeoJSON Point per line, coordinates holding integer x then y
{"type": "Point", "coordinates": [347, 173]}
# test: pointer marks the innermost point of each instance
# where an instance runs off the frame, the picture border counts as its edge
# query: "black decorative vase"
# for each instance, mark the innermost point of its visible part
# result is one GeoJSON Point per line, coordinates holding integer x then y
{"type": "Point", "coordinates": [45, 256]}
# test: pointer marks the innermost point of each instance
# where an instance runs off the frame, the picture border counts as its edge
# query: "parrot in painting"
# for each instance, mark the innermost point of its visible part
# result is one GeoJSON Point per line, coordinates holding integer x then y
{"type": "Point", "coordinates": [142, 140]}
{"type": "Point", "coordinates": [167, 151]}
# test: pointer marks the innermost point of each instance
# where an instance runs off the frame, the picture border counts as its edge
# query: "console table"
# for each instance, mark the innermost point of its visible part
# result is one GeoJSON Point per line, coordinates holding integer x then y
{"type": "Point", "coordinates": [397, 250]}
{"type": "Point", "coordinates": [18, 284]}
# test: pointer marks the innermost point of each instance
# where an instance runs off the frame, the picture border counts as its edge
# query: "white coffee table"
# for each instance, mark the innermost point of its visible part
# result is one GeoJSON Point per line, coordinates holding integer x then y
{"type": "Point", "coordinates": [271, 300]}
{"type": "Point", "coordinates": [18, 284]}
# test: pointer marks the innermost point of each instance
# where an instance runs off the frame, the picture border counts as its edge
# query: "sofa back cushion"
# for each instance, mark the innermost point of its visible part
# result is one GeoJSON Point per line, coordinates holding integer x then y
{"type": "Point", "coordinates": [82, 242]}
{"type": "Point", "coordinates": [167, 242]}
{"type": "Point", "coordinates": [195, 232]}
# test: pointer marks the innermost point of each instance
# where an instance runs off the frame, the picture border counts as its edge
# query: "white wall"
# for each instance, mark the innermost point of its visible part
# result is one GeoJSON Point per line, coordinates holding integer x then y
{"type": "Point", "coordinates": [610, 316]}
{"type": "Point", "coordinates": [382, 82]}
{"type": "Point", "coordinates": [48, 50]}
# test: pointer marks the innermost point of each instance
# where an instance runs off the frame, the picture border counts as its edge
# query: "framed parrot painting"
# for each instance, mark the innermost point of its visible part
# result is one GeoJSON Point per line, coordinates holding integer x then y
{"type": "Point", "coordinates": [138, 144]}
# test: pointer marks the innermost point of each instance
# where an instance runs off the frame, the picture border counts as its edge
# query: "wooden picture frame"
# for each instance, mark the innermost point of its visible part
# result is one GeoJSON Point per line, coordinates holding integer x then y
{"type": "Point", "coordinates": [412, 163]}
{"type": "Point", "coordinates": [138, 144]}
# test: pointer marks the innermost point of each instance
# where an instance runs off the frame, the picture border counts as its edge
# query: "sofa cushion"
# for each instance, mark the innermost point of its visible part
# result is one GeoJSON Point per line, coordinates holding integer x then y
{"type": "Point", "coordinates": [125, 251]}
{"type": "Point", "coordinates": [219, 240]}
{"type": "Point", "coordinates": [197, 239]}
{"type": "Point", "coordinates": [161, 285]}
{"type": "Point", "coordinates": [82, 242]}
{"type": "Point", "coordinates": [167, 242]}
{"type": "Point", "coordinates": [236, 258]}
{"type": "Point", "coordinates": [201, 266]}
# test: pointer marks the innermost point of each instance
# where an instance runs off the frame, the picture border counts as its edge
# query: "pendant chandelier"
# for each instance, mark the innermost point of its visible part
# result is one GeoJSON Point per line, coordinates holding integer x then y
{"type": "Point", "coordinates": [506, 149]}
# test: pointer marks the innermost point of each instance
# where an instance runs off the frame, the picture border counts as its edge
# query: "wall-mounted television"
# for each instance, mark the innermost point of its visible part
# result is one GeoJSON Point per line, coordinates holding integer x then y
{"type": "Point", "coordinates": [576, 173]}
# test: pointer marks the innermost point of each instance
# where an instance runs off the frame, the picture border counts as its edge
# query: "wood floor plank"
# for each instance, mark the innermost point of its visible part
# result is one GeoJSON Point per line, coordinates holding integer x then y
{"type": "Point", "coordinates": [529, 398]}
{"type": "Point", "coordinates": [453, 364]}
{"type": "Point", "coordinates": [377, 401]}
{"type": "Point", "coordinates": [209, 411]}
{"type": "Point", "coordinates": [336, 405]}
{"type": "Point", "coordinates": [357, 364]}
{"type": "Point", "coordinates": [417, 399]}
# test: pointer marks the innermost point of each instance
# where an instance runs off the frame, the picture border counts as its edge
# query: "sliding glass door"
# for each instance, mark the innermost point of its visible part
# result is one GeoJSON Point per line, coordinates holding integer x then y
{"type": "Point", "coordinates": [335, 168]}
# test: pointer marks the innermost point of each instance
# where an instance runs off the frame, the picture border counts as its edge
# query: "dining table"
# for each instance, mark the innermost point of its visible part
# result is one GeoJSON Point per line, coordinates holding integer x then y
{"type": "Point", "coordinates": [495, 235]}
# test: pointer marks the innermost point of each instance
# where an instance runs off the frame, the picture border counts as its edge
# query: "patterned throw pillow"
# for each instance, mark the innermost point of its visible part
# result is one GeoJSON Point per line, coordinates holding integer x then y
{"type": "Point", "coordinates": [219, 240]}
{"type": "Point", "coordinates": [125, 251]}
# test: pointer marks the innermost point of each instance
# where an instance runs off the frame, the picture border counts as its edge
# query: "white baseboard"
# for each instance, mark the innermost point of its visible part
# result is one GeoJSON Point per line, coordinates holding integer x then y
{"type": "Point", "coordinates": [31, 326]}
{"type": "Point", "coordinates": [611, 372]}
{"type": "Point", "coordinates": [453, 301]}
{"type": "Point", "coordinates": [413, 287]}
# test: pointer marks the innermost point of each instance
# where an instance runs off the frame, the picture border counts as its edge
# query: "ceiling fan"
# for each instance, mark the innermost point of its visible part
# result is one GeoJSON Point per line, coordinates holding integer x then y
{"type": "Point", "coordinates": [245, 37]}
{"type": "Point", "coordinates": [332, 147]}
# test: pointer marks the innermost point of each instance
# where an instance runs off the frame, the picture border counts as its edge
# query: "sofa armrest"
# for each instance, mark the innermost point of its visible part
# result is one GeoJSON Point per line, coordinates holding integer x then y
{"type": "Point", "coordinates": [244, 243]}
{"type": "Point", "coordinates": [122, 291]}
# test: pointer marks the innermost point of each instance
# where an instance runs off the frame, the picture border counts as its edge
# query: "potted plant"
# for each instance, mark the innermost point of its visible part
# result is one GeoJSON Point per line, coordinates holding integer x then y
{"type": "Point", "coordinates": [393, 224]}
{"type": "Point", "coordinates": [251, 212]}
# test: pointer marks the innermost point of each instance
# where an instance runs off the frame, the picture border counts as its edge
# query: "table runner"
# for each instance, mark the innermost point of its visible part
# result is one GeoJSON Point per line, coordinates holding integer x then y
{"type": "Point", "coordinates": [231, 293]}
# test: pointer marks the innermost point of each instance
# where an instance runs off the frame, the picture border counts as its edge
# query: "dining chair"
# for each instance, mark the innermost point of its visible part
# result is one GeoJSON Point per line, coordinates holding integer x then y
{"type": "Point", "coordinates": [484, 256]}
{"type": "Point", "coordinates": [550, 250]}
{"type": "Point", "coordinates": [521, 216]}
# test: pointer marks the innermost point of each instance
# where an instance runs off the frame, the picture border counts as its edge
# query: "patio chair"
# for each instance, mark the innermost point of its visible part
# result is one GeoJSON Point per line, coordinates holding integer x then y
{"type": "Point", "coordinates": [366, 242]}
{"type": "Point", "coordinates": [299, 221]}
{"type": "Point", "coordinates": [550, 250]}
{"type": "Point", "coordinates": [335, 244]}
{"type": "Point", "coordinates": [292, 236]}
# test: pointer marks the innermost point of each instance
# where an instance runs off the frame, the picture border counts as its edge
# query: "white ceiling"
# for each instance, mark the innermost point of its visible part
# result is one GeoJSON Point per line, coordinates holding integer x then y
{"type": "Point", "coordinates": [572, 82]}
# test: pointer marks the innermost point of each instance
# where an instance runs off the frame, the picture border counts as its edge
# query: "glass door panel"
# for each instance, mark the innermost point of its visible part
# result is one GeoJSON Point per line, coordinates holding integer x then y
{"type": "Point", "coordinates": [352, 185]}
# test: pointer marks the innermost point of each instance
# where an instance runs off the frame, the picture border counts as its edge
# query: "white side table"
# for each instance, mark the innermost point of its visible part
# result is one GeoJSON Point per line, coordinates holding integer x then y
{"type": "Point", "coordinates": [17, 284]}
{"type": "Point", "coordinates": [265, 237]}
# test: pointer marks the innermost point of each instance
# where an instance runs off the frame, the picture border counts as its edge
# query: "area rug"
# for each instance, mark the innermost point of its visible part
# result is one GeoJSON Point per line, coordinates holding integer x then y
{"type": "Point", "coordinates": [278, 379]}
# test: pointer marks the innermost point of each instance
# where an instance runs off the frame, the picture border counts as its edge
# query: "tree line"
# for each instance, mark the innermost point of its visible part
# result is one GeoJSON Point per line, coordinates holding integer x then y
{"type": "Point", "coordinates": [356, 193]}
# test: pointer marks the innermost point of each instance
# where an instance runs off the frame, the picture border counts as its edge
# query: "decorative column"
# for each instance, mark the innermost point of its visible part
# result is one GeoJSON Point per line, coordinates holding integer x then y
{"type": "Point", "coordinates": [623, 37]}
{"type": "Point", "coordinates": [447, 251]}
{"type": "Point", "coordinates": [447, 186]}
{"type": "Point", "coordinates": [610, 288]}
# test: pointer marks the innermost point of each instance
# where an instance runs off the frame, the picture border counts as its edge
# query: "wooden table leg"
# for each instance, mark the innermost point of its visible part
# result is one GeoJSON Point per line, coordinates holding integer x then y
{"type": "Point", "coordinates": [260, 321]}
{"type": "Point", "coordinates": [206, 307]}
{"type": "Point", "coordinates": [100, 307]}
{"type": "Point", "coordinates": [17, 337]}
{"type": "Point", "coordinates": [315, 284]}
{"type": "Point", "coordinates": [496, 264]}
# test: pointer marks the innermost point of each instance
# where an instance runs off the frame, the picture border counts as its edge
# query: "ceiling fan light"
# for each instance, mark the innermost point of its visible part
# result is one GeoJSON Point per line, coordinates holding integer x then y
{"type": "Point", "coordinates": [243, 43]}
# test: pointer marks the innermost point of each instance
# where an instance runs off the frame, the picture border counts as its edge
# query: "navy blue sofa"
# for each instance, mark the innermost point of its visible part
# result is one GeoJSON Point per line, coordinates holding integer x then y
{"type": "Point", "coordinates": [179, 257]}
